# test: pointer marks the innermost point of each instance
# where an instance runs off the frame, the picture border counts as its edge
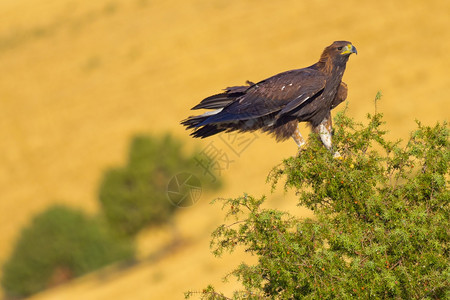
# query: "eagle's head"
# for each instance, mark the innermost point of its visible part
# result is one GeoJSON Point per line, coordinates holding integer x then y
{"type": "Point", "coordinates": [337, 53]}
{"type": "Point", "coordinates": [342, 48]}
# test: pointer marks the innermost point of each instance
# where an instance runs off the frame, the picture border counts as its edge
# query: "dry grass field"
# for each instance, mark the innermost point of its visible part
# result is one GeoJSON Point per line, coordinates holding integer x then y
{"type": "Point", "coordinates": [79, 78]}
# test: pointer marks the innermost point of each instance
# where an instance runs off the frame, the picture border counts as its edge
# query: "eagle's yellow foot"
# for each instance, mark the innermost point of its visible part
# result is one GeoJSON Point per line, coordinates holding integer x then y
{"type": "Point", "coordinates": [337, 155]}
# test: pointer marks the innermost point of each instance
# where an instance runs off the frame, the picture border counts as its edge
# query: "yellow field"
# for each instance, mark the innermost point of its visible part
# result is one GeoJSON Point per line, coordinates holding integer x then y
{"type": "Point", "coordinates": [79, 78]}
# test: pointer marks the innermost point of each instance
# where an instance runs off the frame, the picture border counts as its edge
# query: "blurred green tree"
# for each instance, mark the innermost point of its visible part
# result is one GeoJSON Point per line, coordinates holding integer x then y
{"type": "Point", "coordinates": [136, 196]}
{"type": "Point", "coordinates": [60, 243]}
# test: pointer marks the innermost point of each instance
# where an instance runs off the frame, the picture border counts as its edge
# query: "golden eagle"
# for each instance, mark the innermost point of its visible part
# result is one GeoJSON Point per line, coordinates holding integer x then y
{"type": "Point", "coordinates": [277, 104]}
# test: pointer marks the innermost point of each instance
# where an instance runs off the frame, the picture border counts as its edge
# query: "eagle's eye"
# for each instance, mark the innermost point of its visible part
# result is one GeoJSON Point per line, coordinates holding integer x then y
{"type": "Point", "coordinates": [339, 48]}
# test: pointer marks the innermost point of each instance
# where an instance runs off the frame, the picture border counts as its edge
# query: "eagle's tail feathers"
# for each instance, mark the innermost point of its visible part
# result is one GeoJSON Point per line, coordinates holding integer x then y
{"type": "Point", "coordinates": [221, 100]}
{"type": "Point", "coordinates": [214, 102]}
{"type": "Point", "coordinates": [207, 130]}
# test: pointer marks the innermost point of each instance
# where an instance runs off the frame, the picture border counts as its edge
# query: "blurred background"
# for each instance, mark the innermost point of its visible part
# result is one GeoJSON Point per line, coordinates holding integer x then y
{"type": "Point", "coordinates": [85, 84]}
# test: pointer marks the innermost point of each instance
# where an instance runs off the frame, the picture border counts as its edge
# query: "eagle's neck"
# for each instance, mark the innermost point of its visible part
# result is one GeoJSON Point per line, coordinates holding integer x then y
{"type": "Point", "coordinates": [334, 70]}
{"type": "Point", "coordinates": [331, 67]}
{"type": "Point", "coordinates": [325, 64]}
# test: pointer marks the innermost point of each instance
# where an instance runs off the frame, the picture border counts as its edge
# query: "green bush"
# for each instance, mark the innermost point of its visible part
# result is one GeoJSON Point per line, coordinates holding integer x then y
{"type": "Point", "coordinates": [61, 243]}
{"type": "Point", "coordinates": [135, 196]}
{"type": "Point", "coordinates": [381, 225]}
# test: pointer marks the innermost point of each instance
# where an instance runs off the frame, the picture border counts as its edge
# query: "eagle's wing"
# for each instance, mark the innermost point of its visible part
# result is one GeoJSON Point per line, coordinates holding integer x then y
{"type": "Point", "coordinates": [279, 94]}
{"type": "Point", "coordinates": [341, 95]}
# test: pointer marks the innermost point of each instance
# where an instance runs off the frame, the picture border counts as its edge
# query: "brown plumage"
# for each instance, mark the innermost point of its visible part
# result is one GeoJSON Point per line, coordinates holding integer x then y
{"type": "Point", "coordinates": [276, 105]}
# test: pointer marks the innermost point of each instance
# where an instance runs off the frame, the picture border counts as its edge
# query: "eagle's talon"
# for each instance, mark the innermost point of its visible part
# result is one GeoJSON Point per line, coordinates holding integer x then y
{"type": "Point", "coordinates": [301, 149]}
{"type": "Point", "coordinates": [337, 155]}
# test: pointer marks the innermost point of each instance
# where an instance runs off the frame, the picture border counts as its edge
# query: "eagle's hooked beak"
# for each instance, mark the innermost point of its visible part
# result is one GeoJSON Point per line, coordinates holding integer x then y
{"type": "Point", "coordinates": [349, 49]}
